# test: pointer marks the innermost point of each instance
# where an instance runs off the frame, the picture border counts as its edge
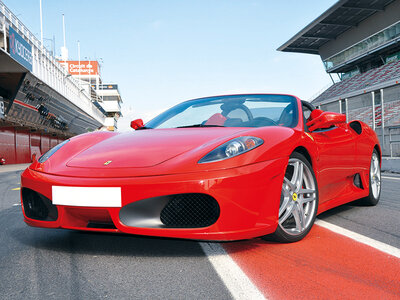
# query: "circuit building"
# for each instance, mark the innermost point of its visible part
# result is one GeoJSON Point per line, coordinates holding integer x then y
{"type": "Point", "coordinates": [44, 99]}
{"type": "Point", "coordinates": [358, 42]}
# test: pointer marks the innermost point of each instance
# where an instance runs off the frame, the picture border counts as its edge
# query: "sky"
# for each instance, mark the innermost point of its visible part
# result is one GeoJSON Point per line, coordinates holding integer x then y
{"type": "Point", "coordinates": [162, 52]}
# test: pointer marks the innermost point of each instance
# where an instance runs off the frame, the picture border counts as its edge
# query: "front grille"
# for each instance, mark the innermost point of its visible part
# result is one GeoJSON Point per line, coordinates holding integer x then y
{"type": "Point", "coordinates": [37, 206]}
{"type": "Point", "coordinates": [190, 211]}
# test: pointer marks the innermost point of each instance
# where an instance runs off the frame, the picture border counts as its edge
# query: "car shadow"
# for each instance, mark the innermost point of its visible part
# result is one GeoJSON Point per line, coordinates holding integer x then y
{"type": "Point", "coordinates": [93, 243]}
{"type": "Point", "coordinates": [16, 234]}
{"type": "Point", "coordinates": [340, 209]}
{"type": "Point", "coordinates": [99, 243]}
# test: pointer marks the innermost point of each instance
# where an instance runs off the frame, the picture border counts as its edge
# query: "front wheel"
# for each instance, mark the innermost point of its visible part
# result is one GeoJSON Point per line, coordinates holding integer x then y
{"type": "Point", "coordinates": [299, 201]}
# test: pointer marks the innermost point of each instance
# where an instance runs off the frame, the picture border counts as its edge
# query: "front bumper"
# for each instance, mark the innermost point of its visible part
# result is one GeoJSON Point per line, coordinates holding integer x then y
{"type": "Point", "coordinates": [248, 198]}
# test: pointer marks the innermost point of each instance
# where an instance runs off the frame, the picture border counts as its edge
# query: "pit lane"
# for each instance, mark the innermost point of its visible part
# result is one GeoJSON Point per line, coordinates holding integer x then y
{"type": "Point", "coordinates": [37, 263]}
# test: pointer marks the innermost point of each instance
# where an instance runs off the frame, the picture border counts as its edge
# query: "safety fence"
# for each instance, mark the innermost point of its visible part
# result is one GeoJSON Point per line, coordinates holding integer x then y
{"type": "Point", "coordinates": [380, 109]}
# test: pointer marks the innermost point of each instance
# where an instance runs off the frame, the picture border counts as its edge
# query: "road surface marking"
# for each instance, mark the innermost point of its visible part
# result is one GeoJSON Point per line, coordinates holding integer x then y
{"type": "Point", "coordinates": [393, 178]}
{"type": "Point", "coordinates": [16, 204]}
{"type": "Point", "coordinates": [16, 189]}
{"type": "Point", "coordinates": [235, 280]}
{"type": "Point", "coordinates": [324, 265]}
{"type": "Point", "coordinates": [360, 238]}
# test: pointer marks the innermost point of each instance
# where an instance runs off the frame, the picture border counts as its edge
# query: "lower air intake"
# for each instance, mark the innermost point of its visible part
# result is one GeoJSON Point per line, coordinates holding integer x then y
{"type": "Point", "coordinates": [37, 206]}
{"type": "Point", "coordinates": [190, 211]}
{"type": "Point", "coordinates": [101, 225]}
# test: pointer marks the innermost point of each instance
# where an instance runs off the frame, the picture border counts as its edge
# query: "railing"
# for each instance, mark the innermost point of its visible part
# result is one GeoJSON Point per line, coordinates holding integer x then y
{"type": "Point", "coordinates": [379, 108]}
{"type": "Point", "coordinates": [391, 140]}
{"type": "Point", "coordinates": [319, 93]}
{"type": "Point", "coordinates": [48, 70]}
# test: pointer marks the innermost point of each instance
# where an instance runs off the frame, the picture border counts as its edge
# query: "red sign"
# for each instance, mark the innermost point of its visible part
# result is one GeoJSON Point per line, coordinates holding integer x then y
{"type": "Point", "coordinates": [86, 67]}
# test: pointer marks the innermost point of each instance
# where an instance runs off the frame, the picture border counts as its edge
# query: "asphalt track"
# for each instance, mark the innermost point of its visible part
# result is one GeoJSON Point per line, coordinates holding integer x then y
{"type": "Point", "coordinates": [38, 263]}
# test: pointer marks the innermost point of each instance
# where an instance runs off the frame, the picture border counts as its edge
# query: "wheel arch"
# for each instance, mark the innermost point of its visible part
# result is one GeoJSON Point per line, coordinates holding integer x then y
{"type": "Point", "coordinates": [378, 149]}
{"type": "Point", "coordinates": [303, 150]}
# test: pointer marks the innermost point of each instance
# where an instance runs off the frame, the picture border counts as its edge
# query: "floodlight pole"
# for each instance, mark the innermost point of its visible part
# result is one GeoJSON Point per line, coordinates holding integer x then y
{"type": "Point", "coordinates": [79, 62]}
{"type": "Point", "coordinates": [41, 23]}
{"type": "Point", "coordinates": [63, 18]}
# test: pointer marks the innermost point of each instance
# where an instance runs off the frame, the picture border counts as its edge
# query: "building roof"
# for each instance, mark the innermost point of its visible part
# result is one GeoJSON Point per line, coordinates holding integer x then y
{"type": "Point", "coordinates": [340, 17]}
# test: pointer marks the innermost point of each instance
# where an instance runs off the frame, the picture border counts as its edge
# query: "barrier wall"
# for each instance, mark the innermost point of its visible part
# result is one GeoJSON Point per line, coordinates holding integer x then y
{"type": "Point", "coordinates": [18, 146]}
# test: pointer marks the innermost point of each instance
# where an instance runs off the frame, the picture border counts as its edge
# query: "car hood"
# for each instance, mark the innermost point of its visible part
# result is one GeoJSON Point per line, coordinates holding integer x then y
{"type": "Point", "coordinates": [147, 148]}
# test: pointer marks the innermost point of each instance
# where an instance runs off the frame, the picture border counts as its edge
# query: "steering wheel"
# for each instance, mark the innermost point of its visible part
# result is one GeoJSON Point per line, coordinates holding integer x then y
{"type": "Point", "coordinates": [238, 106]}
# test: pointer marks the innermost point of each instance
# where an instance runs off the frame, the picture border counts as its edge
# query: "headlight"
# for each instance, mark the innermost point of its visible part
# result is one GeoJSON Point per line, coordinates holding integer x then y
{"type": "Point", "coordinates": [49, 153]}
{"type": "Point", "coordinates": [232, 148]}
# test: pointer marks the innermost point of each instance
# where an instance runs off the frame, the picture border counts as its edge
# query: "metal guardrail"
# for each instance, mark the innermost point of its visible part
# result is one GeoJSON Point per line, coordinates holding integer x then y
{"type": "Point", "coordinates": [382, 116]}
{"type": "Point", "coordinates": [391, 141]}
{"type": "Point", "coordinates": [49, 70]}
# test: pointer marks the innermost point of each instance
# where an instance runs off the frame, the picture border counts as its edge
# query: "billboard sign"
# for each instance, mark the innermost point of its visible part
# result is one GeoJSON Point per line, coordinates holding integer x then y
{"type": "Point", "coordinates": [108, 87]}
{"type": "Point", "coordinates": [83, 67]}
{"type": "Point", "coordinates": [20, 49]}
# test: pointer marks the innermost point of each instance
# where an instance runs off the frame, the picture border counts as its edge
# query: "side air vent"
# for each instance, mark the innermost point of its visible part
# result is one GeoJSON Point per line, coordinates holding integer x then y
{"type": "Point", "coordinates": [357, 181]}
{"type": "Point", "coordinates": [356, 126]}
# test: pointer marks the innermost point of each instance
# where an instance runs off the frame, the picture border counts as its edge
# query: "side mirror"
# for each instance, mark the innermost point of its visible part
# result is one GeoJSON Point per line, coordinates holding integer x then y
{"type": "Point", "coordinates": [136, 124]}
{"type": "Point", "coordinates": [321, 120]}
{"type": "Point", "coordinates": [33, 157]}
{"type": "Point", "coordinates": [2, 161]}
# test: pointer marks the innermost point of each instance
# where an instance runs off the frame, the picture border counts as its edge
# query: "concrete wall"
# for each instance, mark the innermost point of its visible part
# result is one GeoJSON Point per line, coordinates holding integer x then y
{"type": "Point", "coordinates": [18, 146]}
{"type": "Point", "coordinates": [366, 28]}
{"type": "Point", "coordinates": [391, 165]}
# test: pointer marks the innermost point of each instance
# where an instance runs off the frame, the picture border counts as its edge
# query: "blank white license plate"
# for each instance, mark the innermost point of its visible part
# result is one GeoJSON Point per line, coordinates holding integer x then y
{"type": "Point", "coordinates": [87, 196]}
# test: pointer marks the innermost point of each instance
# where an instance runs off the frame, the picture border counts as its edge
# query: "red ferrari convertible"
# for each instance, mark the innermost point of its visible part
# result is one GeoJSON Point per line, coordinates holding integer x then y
{"type": "Point", "coordinates": [218, 168]}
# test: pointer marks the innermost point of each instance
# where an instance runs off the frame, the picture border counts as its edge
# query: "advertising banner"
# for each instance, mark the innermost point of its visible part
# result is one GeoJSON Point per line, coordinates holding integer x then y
{"type": "Point", "coordinates": [20, 49]}
{"type": "Point", "coordinates": [393, 57]}
{"type": "Point", "coordinates": [83, 67]}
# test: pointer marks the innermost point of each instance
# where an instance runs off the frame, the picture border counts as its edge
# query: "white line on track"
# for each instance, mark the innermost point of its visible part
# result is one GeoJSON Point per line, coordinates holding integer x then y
{"type": "Point", "coordinates": [360, 238]}
{"type": "Point", "coordinates": [393, 178]}
{"type": "Point", "coordinates": [236, 281]}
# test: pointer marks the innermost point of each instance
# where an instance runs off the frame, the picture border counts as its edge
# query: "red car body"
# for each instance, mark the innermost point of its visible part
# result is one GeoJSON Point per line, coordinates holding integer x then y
{"type": "Point", "coordinates": [158, 162]}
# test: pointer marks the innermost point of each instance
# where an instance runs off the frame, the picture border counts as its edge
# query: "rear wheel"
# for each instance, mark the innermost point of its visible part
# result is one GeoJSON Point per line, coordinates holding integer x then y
{"type": "Point", "coordinates": [299, 201]}
{"type": "Point", "coordinates": [374, 181]}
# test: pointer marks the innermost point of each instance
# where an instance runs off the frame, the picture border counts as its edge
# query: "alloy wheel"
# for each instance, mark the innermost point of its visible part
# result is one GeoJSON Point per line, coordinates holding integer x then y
{"type": "Point", "coordinates": [299, 198]}
{"type": "Point", "coordinates": [375, 176]}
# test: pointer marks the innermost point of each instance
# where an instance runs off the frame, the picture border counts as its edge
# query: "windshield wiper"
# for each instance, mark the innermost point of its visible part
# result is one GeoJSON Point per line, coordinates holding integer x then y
{"type": "Point", "coordinates": [144, 127]}
{"type": "Point", "coordinates": [199, 125]}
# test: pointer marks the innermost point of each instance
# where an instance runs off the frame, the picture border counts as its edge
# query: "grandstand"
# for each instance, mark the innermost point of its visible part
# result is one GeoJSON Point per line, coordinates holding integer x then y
{"type": "Point", "coordinates": [359, 43]}
{"type": "Point", "coordinates": [362, 81]}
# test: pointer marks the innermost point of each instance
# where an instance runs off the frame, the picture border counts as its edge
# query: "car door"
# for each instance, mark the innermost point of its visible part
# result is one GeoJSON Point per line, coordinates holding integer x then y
{"type": "Point", "coordinates": [336, 155]}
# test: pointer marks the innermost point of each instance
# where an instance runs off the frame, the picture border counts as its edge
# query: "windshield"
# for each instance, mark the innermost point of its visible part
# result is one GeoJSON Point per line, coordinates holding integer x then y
{"type": "Point", "coordinates": [230, 111]}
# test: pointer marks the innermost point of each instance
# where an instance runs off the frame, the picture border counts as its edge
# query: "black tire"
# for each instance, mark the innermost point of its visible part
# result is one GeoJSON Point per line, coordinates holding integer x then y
{"type": "Point", "coordinates": [284, 232]}
{"type": "Point", "coordinates": [372, 199]}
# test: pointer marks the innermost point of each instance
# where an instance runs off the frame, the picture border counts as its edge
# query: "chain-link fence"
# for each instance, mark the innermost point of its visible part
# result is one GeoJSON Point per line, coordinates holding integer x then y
{"type": "Point", "coordinates": [367, 107]}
